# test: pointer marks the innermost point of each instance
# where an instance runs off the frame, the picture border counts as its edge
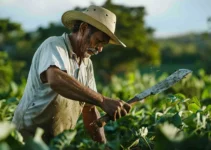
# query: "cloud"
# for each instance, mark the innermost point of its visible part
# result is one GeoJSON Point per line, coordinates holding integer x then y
{"type": "Point", "coordinates": [34, 13]}
{"type": "Point", "coordinates": [153, 7]}
{"type": "Point", "coordinates": [164, 15]}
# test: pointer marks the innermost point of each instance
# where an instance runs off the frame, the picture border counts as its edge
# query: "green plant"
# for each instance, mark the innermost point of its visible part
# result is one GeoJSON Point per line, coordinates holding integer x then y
{"type": "Point", "coordinates": [165, 121]}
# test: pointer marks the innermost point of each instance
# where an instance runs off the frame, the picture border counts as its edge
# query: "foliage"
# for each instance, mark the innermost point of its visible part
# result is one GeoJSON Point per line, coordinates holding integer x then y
{"type": "Point", "coordinates": [141, 48]}
{"type": "Point", "coordinates": [198, 85]}
{"type": "Point", "coordinates": [193, 49]}
{"type": "Point", "coordinates": [6, 72]}
{"type": "Point", "coordinates": [131, 29]}
{"type": "Point", "coordinates": [164, 121]}
{"type": "Point", "coordinates": [7, 108]}
{"type": "Point", "coordinates": [178, 118]}
{"type": "Point", "coordinates": [63, 140]}
{"type": "Point", "coordinates": [8, 88]}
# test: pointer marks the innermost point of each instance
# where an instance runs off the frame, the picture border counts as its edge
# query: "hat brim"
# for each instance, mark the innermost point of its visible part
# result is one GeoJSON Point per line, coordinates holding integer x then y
{"type": "Point", "coordinates": [69, 17]}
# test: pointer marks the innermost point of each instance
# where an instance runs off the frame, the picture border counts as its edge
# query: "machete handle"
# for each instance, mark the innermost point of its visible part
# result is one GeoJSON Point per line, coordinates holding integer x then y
{"type": "Point", "coordinates": [106, 118]}
{"type": "Point", "coordinates": [101, 121]}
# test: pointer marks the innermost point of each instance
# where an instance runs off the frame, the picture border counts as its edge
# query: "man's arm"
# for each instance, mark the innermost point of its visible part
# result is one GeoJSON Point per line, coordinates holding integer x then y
{"type": "Point", "coordinates": [90, 114]}
{"type": "Point", "coordinates": [69, 87]}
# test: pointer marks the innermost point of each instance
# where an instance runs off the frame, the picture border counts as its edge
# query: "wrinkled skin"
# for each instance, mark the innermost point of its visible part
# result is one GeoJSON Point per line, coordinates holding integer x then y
{"type": "Point", "coordinates": [85, 45]}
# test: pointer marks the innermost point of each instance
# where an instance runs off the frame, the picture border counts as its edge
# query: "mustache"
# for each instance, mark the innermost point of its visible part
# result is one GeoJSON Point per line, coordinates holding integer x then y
{"type": "Point", "coordinates": [93, 50]}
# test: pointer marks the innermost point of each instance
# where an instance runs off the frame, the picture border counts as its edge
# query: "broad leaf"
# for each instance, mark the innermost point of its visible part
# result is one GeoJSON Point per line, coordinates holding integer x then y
{"type": "Point", "coordinates": [193, 107]}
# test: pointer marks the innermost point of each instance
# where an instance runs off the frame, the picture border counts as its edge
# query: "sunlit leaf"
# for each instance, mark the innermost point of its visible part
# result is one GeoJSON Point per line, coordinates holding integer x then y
{"type": "Point", "coordinates": [193, 107]}
{"type": "Point", "coordinates": [196, 101]}
{"type": "Point", "coordinates": [171, 132]}
{"type": "Point", "coordinates": [5, 129]}
{"type": "Point", "coordinates": [206, 93]}
{"type": "Point", "coordinates": [208, 109]}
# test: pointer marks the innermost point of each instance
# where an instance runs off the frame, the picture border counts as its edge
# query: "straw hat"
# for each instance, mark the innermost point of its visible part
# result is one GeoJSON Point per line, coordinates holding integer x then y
{"type": "Point", "coordinates": [99, 17]}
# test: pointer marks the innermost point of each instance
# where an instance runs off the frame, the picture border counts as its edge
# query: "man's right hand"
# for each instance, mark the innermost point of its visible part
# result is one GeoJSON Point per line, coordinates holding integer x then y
{"type": "Point", "coordinates": [115, 108]}
{"type": "Point", "coordinates": [70, 88]}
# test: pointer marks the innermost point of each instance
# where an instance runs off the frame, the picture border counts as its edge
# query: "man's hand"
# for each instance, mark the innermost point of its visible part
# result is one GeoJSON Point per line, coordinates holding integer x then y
{"type": "Point", "coordinates": [115, 108]}
{"type": "Point", "coordinates": [69, 87]}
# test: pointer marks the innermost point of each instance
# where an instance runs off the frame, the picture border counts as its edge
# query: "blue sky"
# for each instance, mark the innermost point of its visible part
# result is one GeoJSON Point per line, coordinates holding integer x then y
{"type": "Point", "coordinates": [167, 17]}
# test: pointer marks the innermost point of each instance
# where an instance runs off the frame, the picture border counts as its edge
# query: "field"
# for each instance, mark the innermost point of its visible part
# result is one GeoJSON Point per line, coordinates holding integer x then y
{"type": "Point", "coordinates": [177, 119]}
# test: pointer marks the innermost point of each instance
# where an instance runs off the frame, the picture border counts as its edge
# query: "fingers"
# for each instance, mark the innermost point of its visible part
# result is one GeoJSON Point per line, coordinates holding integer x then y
{"type": "Point", "coordinates": [127, 107]}
{"type": "Point", "coordinates": [118, 113]}
{"type": "Point", "coordinates": [114, 116]}
{"type": "Point", "coordinates": [123, 110]}
{"type": "Point", "coordinates": [115, 108]}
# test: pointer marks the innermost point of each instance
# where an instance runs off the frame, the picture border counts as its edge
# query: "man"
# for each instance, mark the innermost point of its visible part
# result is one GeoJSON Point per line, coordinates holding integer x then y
{"type": "Point", "coordinates": [61, 81]}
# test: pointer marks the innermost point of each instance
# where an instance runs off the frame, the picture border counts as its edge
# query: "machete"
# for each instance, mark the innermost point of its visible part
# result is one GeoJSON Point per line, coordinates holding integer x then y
{"type": "Point", "coordinates": [160, 87]}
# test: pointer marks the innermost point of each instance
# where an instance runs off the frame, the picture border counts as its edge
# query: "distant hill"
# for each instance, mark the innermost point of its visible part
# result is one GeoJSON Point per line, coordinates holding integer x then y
{"type": "Point", "coordinates": [187, 50]}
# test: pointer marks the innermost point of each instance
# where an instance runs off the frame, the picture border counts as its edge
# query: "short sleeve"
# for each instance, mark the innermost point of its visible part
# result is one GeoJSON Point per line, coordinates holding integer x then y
{"type": "Point", "coordinates": [53, 54]}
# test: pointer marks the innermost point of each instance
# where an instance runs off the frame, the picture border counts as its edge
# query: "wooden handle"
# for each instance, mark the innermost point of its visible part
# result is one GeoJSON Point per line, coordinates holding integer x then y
{"type": "Point", "coordinates": [106, 118]}
{"type": "Point", "coordinates": [101, 121]}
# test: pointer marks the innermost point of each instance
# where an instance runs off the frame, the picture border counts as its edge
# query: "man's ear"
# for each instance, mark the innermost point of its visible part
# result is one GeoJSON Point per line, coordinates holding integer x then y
{"type": "Point", "coordinates": [83, 28]}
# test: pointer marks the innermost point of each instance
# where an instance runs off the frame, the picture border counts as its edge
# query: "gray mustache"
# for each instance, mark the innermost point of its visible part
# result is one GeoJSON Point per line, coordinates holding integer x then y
{"type": "Point", "coordinates": [93, 50]}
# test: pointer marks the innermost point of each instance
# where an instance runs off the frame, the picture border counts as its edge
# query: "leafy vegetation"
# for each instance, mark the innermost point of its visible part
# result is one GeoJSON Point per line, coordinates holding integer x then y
{"type": "Point", "coordinates": [178, 118]}
{"type": "Point", "coordinates": [160, 122]}
{"type": "Point", "coordinates": [191, 49]}
{"type": "Point", "coordinates": [21, 45]}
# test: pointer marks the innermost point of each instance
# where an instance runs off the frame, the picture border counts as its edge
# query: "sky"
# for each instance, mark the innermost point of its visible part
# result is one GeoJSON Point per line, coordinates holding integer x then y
{"type": "Point", "coordinates": [167, 17]}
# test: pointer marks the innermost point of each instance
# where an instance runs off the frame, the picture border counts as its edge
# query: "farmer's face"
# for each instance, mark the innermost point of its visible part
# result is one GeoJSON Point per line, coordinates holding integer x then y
{"type": "Point", "coordinates": [93, 42]}
{"type": "Point", "coordinates": [96, 43]}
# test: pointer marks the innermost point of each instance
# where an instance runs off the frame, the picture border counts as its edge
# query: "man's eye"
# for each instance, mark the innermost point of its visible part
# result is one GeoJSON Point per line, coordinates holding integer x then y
{"type": "Point", "coordinates": [99, 41]}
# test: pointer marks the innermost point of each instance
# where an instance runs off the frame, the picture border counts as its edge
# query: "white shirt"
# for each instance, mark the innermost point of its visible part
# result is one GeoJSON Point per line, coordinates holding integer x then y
{"type": "Point", "coordinates": [37, 96]}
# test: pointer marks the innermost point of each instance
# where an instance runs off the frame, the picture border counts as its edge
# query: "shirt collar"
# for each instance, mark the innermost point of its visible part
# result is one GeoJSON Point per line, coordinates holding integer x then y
{"type": "Point", "coordinates": [70, 49]}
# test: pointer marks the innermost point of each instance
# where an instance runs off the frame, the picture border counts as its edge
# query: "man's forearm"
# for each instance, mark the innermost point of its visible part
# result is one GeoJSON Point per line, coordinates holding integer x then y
{"type": "Point", "coordinates": [70, 88]}
{"type": "Point", "coordinates": [90, 114]}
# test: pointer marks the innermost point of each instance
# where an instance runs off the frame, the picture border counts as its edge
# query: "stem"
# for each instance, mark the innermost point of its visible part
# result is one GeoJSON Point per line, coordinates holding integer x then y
{"type": "Point", "coordinates": [147, 143]}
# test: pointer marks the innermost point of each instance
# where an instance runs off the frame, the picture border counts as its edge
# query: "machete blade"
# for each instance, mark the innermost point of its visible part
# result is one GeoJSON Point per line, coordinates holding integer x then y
{"type": "Point", "coordinates": [163, 85]}
{"type": "Point", "coordinates": [160, 87]}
